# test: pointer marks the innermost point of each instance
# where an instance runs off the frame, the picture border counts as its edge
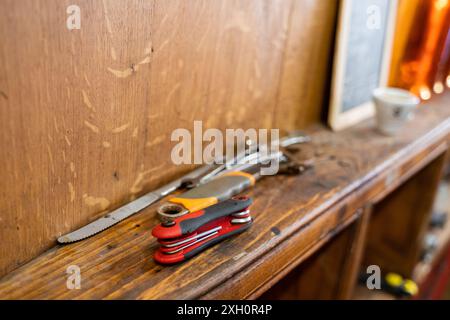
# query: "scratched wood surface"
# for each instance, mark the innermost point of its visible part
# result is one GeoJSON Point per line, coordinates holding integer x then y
{"type": "Point", "coordinates": [87, 114]}
{"type": "Point", "coordinates": [330, 273]}
{"type": "Point", "coordinates": [351, 168]}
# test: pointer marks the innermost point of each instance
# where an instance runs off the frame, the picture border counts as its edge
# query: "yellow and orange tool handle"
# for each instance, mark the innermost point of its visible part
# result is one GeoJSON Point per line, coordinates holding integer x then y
{"type": "Point", "coordinates": [214, 191]}
{"type": "Point", "coordinates": [190, 223]}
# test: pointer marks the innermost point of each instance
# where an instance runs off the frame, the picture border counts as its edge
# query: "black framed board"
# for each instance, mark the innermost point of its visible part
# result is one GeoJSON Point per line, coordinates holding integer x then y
{"type": "Point", "coordinates": [362, 58]}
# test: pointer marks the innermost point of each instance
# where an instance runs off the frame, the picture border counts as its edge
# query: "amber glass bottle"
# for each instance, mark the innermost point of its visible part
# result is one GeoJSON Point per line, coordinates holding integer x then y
{"type": "Point", "coordinates": [443, 69]}
{"type": "Point", "coordinates": [419, 45]}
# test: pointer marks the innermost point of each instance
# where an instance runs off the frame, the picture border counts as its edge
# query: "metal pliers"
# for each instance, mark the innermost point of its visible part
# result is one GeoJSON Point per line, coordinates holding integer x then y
{"type": "Point", "coordinates": [229, 179]}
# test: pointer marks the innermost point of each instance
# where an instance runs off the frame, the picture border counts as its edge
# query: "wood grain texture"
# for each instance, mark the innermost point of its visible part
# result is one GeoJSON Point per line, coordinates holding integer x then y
{"type": "Point", "coordinates": [399, 222]}
{"type": "Point", "coordinates": [301, 100]}
{"type": "Point", "coordinates": [294, 217]}
{"type": "Point", "coordinates": [352, 264]}
{"type": "Point", "coordinates": [87, 114]}
{"type": "Point", "coordinates": [332, 271]}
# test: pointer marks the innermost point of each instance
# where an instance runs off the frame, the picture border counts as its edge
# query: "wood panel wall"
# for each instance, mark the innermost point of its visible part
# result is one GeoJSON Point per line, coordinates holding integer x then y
{"type": "Point", "coordinates": [86, 115]}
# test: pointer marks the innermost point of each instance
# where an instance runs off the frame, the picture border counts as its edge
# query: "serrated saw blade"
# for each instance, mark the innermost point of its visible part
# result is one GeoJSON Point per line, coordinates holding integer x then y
{"type": "Point", "coordinates": [110, 219]}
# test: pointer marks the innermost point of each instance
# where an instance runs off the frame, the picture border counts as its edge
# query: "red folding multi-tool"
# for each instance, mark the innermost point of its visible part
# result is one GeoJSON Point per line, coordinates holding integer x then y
{"type": "Point", "coordinates": [185, 236]}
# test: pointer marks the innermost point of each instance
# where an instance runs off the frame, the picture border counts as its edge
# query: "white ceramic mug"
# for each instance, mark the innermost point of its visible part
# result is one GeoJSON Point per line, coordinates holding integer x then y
{"type": "Point", "coordinates": [394, 107]}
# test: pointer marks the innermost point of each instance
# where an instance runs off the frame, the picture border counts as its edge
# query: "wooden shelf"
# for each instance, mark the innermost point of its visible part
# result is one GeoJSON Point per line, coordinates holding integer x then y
{"type": "Point", "coordinates": [294, 218]}
{"type": "Point", "coordinates": [443, 235]}
{"type": "Point", "coordinates": [331, 272]}
{"type": "Point", "coordinates": [422, 269]}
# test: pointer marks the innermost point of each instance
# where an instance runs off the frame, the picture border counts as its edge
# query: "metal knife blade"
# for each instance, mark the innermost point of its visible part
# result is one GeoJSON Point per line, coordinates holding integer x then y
{"type": "Point", "coordinates": [110, 219]}
{"type": "Point", "coordinates": [129, 209]}
{"type": "Point", "coordinates": [114, 217]}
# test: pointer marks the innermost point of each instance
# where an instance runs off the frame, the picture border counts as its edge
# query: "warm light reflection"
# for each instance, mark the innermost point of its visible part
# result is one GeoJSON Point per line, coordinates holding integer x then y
{"type": "Point", "coordinates": [440, 4]}
{"type": "Point", "coordinates": [425, 93]}
{"type": "Point", "coordinates": [448, 81]}
{"type": "Point", "coordinates": [438, 87]}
